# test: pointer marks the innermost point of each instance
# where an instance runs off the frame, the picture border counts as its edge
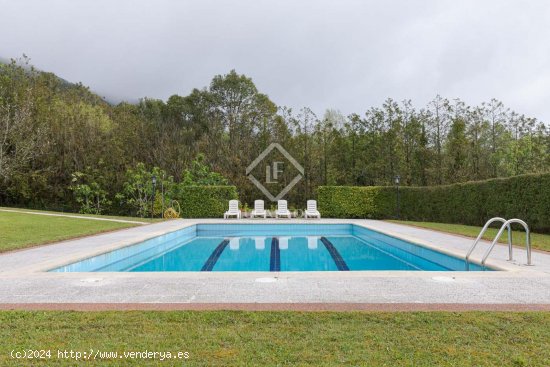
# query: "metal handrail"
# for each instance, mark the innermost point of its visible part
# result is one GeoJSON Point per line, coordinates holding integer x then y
{"type": "Point", "coordinates": [489, 222]}
{"type": "Point", "coordinates": [527, 240]}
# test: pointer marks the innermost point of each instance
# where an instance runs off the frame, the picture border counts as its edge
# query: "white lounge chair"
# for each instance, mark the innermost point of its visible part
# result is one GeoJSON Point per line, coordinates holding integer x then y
{"type": "Point", "coordinates": [233, 210]}
{"type": "Point", "coordinates": [282, 210]}
{"type": "Point", "coordinates": [259, 210]}
{"type": "Point", "coordinates": [311, 210]}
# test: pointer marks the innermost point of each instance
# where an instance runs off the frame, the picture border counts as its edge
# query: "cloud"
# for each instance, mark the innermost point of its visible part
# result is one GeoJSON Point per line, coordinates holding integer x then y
{"type": "Point", "coordinates": [347, 55]}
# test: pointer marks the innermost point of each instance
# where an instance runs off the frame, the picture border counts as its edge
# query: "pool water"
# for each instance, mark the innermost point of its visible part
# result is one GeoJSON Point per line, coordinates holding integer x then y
{"type": "Point", "coordinates": [271, 247]}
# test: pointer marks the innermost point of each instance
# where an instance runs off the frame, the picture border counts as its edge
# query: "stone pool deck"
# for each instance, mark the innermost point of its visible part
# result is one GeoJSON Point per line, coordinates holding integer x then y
{"type": "Point", "coordinates": [26, 284]}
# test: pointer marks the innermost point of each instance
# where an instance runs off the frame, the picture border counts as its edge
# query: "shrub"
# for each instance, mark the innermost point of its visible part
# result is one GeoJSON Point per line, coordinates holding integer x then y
{"type": "Point", "coordinates": [137, 193]}
{"type": "Point", "coordinates": [353, 201]}
{"type": "Point", "coordinates": [204, 201]}
{"type": "Point", "coordinates": [89, 193]}
{"type": "Point", "coordinates": [195, 200]}
{"type": "Point", "coordinates": [526, 197]}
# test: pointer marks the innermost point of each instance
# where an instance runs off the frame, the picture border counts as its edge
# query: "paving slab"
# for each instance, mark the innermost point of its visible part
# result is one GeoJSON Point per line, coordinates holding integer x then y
{"type": "Point", "coordinates": [24, 279]}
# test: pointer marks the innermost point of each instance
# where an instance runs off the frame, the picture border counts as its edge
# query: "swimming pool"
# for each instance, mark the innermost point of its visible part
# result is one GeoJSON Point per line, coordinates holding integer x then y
{"type": "Point", "coordinates": [271, 247]}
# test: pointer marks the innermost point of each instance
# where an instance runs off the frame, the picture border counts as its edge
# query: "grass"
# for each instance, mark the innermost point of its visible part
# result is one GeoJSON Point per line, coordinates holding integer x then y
{"type": "Point", "coordinates": [538, 241]}
{"type": "Point", "coordinates": [20, 230]}
{"type": "Point", "coordinates": [227, 338]}
{"type": "Point", "coordinates": [149, 220]}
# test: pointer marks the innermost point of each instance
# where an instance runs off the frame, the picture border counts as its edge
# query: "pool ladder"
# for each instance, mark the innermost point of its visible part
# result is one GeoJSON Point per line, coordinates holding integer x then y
{"type": "Point", "coordinates": [505, 224]}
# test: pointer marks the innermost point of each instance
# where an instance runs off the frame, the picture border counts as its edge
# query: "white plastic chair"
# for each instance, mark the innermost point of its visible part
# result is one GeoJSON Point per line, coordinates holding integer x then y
{"type": "Point", "coordinates": [259, 210]}
{"type": "Point", "coordinates": [282, 210]}
{"type": "Point", "coordinates": [311, 210]}
{"type": "Point", "coordinates": [233, 210]}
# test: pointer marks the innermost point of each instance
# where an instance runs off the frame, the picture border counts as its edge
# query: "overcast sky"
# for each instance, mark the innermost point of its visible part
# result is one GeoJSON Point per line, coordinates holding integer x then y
{"type": "Point", "coordinates": [341, 54]}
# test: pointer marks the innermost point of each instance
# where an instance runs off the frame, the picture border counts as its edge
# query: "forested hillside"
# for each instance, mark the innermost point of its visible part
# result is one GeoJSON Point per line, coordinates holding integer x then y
{"type": "Point", "coordinates": [63, 147]}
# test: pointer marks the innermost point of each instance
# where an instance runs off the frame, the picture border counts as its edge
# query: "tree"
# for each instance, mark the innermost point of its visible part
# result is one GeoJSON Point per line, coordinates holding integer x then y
{"type": "Point", "coordinates": [21, 136]}
{"type": "Point", "coordinates": [457, 152]}
{"type": "Point", "coordinates": [439, 108]}
{"type": "Point", "coordinates": [89, 193]}
{"type": "Point", "coordinates": [200, 174]}
{"type": "Point", "coordinates": [137, 192]}
{"type": "Point", "coordinates": [52, 130]}
{"type": "Point", "coordinates": [239, 105]}
{"type": "Point", "coordinates": [497, 115]}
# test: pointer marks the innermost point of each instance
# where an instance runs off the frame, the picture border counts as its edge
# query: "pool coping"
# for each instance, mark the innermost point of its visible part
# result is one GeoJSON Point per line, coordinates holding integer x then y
{"type": "Point", "coordinates": [113, 246]}
{"type": "Point", "coordinates": [490, 263]}
{"type": "Point", "coordinates": [46, 267]}
{"type": "Point", "coordinates": [280, 307]}
{"type": "Point", "coordinates": [27, 282]}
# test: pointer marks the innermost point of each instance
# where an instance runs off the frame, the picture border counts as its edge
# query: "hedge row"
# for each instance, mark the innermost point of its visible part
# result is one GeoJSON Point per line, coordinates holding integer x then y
{"type": "Point", "coordinates": [205, 201]}
{"type": "Point", "coordinates": [526, 197]}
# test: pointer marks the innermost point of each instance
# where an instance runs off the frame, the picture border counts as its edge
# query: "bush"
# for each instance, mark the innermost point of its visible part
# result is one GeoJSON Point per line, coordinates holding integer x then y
{"type": "Point", "coordinates": [195, 197]}
{"type": "Point", "coordinates": [137, 194]}
{"type": "Point", "coordinates": [526, 197]}
{"type": "Point", "coordinates": [204, 201]}
{"type": "Point", "coordinates": [354, 202]}
{"type": "Point", "coordinates": [89, 193]}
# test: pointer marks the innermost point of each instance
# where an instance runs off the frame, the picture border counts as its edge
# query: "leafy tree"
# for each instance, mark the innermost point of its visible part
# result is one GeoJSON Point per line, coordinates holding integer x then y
{"type": "Point", "coordinates": [200, 174]}
{"type": "Point", "coordinates": [21, 135]}
{"type": "Point", "coordinates": [457, 151]}
{"type": "Point", "coordinates": [64, 147]}
{"type": "Point", "coordinates": [89, 193]}
{"type": "Point", "coordinates": [137, 192]}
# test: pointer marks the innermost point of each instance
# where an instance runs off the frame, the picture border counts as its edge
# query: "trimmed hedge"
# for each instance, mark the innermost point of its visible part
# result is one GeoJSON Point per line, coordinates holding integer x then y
{"type": "Point", "coordinates": [526, 197]}
{"type": "Point", "coordinates": [205, 201]}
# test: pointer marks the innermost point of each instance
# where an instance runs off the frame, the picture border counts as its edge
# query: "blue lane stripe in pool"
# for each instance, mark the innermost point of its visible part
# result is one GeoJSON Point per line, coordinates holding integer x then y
{"type": "Point", "coordinates": [275, 262]}
{"type": "Point", "coordinates": [338, 260]}
{"type": "Point", "coordinates": [209, 264]}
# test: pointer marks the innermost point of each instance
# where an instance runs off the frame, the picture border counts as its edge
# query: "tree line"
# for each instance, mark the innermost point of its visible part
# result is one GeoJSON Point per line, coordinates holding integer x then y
{"type": "Point", "coordinates": [63, 147]}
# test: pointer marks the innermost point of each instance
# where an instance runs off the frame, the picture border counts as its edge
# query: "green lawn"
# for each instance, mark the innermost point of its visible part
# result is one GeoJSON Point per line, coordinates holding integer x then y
{"type": "Point", "coordinates": [538, 241]}
{"type": "Point", "coordinates": [149, 220]}
{"type": "Point", "coordinates": [228, 338]}
{"type": "Point", "coordinates": [20, 230]}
